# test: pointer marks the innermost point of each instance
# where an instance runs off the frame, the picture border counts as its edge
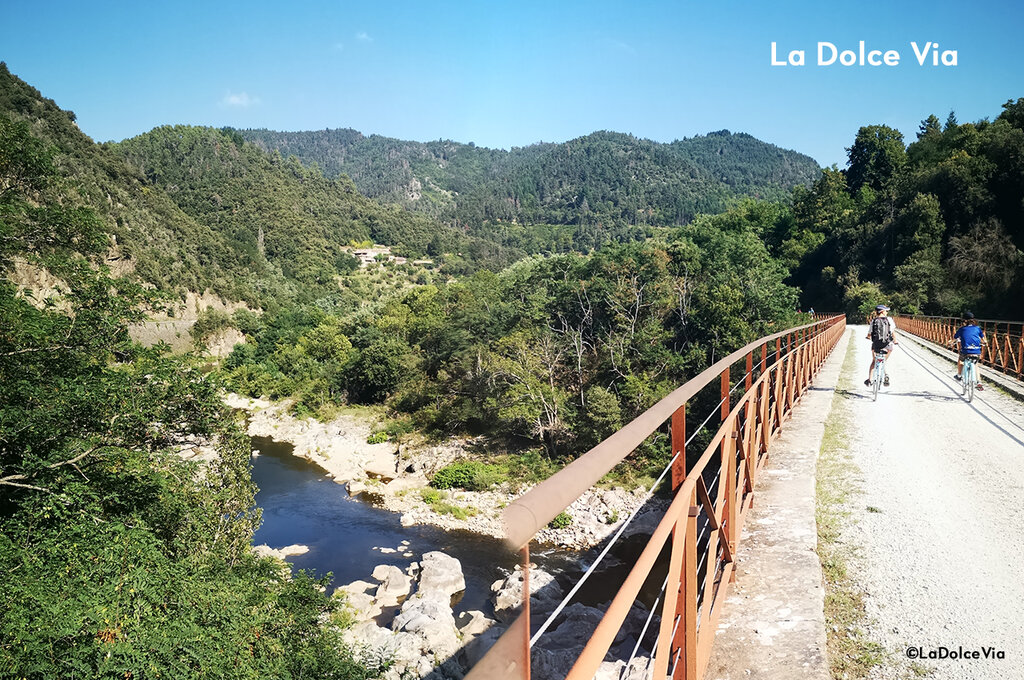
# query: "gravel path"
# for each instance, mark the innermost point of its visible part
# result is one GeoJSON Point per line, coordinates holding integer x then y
{"type": "Point", "coordinates": [938, 532]}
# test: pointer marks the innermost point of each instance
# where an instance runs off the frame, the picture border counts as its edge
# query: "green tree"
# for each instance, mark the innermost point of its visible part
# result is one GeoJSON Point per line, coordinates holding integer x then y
{"type": "Point", "coordinates": [527, 398]}
{"type": "Point", "coordinates": [1013, 113]}
{"type": "Point", "coordinates": [929, 127]}
{"type": "Point", "coordinates": [876, 156]}
{"type": "Point", "coordinates": [601, 417]}
{"type": "Point", "coordinates": [378, 369]}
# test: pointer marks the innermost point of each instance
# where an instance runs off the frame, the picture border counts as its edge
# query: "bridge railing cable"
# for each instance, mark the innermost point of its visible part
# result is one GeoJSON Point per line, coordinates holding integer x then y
{"type": "Point", "coordinates": [701, 527]}
{"type": "Point", "coordinates": [1003, 348]}
{"type": "Point", "coordinates": [628, 521]}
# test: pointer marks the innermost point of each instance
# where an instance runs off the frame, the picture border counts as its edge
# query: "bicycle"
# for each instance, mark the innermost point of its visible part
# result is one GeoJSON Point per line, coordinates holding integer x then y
{"type": "Point", "coordinates": [878, 376]}
{"type": "Point", "coordinates": [970, 376]}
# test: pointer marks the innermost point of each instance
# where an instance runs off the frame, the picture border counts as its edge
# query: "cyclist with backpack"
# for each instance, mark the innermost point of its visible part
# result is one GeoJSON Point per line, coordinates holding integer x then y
{"type": "Point", "coordinates": [882, 333]}
{"type": "Point", "coordinates": [971, 340]}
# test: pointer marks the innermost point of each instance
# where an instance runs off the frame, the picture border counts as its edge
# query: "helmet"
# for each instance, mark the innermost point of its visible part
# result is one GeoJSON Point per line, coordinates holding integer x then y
{"type": "Point", "coordinates": [881, 308]}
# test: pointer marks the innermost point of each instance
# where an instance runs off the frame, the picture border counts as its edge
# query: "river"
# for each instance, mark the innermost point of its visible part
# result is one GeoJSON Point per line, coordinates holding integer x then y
{"type": "Point", "coordinates": [301, 505]}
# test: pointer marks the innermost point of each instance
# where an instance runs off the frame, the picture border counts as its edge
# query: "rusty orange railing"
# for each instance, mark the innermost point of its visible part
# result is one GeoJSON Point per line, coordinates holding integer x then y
{"type": "Point", "coordinates": [715, 491]}
{"type": "Point", "coordinates": [1003, 348]}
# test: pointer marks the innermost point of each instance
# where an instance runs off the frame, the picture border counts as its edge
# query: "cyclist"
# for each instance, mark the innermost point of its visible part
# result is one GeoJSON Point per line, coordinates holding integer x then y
{"type": "Point", "coordinates": [971, 340]}
{"type": "Point", "coordinates": [882, 333]}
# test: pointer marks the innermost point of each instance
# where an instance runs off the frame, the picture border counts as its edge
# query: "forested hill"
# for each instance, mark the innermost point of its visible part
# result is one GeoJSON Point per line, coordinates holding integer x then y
{"type": "Point", "coordinates": [610, 178]}
{"type": "Point", "coordinates": [201, 209]}
{"type": "Point", "coordinates": [280, 214]}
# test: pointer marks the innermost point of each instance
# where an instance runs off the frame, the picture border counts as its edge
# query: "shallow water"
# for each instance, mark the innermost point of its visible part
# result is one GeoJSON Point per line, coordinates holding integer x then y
{"type": "Point", "coordinates": [344, 534]}
{"type": "Point", "coordinates": [302, 505]}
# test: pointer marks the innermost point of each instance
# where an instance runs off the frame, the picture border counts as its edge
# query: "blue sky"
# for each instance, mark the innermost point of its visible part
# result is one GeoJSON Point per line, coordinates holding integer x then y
{"type": "Point", "coordinates": [510, 74]}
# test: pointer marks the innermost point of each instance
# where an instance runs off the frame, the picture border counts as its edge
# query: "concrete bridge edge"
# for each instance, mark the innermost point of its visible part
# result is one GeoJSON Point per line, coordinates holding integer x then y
{"type": "Point", "coordinates": [773, 622]}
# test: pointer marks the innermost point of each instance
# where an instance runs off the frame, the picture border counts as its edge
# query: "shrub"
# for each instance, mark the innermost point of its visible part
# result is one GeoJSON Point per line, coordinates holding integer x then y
{"type": "Point", "coordinates": [530, 467]}
{"type": "Point", "coordinates": [860, 299]}
{"type": "Point", "coordinates": [467, 474]}
{"type": "Point", "coordinates": [561, 521]}
{"type": "Point", "coordinates": [398, 428]}
{"type": "Point", "coordinates": [431, 496]}
{"type": "Point", "coordinates": [437, 500]}
{"type": "Point", "coordinates": [453, 510]}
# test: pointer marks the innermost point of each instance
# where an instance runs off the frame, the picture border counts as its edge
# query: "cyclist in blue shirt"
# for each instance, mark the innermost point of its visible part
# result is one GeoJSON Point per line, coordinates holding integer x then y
{"type": "Point", "coordinates": [971, 340]}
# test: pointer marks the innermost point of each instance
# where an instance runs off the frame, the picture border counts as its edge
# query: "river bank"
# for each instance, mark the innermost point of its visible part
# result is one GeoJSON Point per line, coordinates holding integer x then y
{"type": "Point", "coordinates": [394, 475]}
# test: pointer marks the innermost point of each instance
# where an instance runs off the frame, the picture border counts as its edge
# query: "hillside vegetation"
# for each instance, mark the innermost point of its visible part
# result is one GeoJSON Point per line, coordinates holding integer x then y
{"type": "Point", "coordinates": [284, 221]}
{"type": "Point", "coordinates": [554, 352]}
{"type": "Point", "coordinates": [934, 227]}
{"type": "Point", "coordinates": [126, 505]}
{"type": "Point", "coordinates": [195, 209]}
{"type": "Point", "coordinates": [604, 187]}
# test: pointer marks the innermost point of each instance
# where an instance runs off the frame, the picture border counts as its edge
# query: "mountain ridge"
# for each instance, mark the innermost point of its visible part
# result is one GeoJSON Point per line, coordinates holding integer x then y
{"type": "Point", "coordinates": [608, 182]}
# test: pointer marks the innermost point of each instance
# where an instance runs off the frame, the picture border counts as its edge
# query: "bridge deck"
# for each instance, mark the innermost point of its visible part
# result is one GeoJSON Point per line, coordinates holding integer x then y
{"type": "Point", "coordinates": [942, 548]}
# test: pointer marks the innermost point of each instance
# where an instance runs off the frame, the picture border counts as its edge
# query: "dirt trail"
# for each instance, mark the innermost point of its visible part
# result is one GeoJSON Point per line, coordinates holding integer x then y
{"type": "Point", "coordinates": [939, 532]}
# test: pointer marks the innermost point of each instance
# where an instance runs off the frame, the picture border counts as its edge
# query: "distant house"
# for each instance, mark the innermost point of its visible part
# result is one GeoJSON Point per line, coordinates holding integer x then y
{"type": "Point", "coordinates": [378, 254]}
{"type": "Point", "coordinates": [368, 256]}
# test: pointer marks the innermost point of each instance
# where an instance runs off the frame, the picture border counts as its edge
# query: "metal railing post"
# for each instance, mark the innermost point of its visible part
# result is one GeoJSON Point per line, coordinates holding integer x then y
{"type": "Point", "coordinates": [678, 426]}
{"type": "Point", "coordinates": [733, 496]}
{"type": "Point", "coordinates": [686, 637]}
{"type": "Point", "coordinates": [526, 612]}
{"type": "Point", "coordinates": [725, 394]}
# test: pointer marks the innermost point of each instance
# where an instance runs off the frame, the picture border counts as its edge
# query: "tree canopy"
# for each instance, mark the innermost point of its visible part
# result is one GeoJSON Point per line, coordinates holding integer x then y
{"type": "Point", "coordinates": [936, 227]}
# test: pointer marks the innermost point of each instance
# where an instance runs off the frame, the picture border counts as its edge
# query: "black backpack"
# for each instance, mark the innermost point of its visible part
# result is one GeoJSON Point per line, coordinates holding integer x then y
{"type": "Point", "coordinates": [881, 332]}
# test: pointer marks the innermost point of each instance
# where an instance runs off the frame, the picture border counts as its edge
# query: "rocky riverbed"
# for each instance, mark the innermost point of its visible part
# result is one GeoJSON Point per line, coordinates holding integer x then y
{"type": "Point", "coordinates": [405, 619]}
{"type": "Point", "coordinates": [394, 475]}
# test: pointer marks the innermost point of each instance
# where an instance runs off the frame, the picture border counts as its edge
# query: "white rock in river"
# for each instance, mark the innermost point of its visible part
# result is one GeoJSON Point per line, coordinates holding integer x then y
{"type": "Point", "coordinates": [440, 576]}
{"type": "Point", "coordinates": [371, 642]}
{"type": "Point", "coordinates": [264, 550]}
{"type": "Point", "coordinates": [474, 622]}
{"type": "Point", "coordinates": [432, 621]}
{"type": "Point", "coordinates": [359, 599]}
{"type": "Point", "coordinates": [394, 585]}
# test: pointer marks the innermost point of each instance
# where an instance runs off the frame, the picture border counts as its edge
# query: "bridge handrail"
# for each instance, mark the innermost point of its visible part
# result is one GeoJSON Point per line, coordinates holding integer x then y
{"type": "Point", "coordinates": [957, 319]}
{"type": "Point", "coordinates": [1004, 340]}
{"type": "Point", "coordinates": [532, 511]}
{"type": "Point", "coordinates": [721, 504]}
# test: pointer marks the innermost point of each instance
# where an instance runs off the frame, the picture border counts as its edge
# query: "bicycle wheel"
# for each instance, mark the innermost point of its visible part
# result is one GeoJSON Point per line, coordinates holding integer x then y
{"type": "Point", "coordinates": [965, 377]}
{"type": "Point", "coordinates": [876, 382]}
{"type": "Point", "coordinates": [969, 385]}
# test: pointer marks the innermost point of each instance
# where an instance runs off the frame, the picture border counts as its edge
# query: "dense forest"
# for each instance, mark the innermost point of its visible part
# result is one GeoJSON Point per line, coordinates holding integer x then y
{"type": "Point", "coordinates": [279, 217]}
{"type": "Point", "coordinates": [604, 187]}
{"type": "Point", "coordinates": [557, 351]}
